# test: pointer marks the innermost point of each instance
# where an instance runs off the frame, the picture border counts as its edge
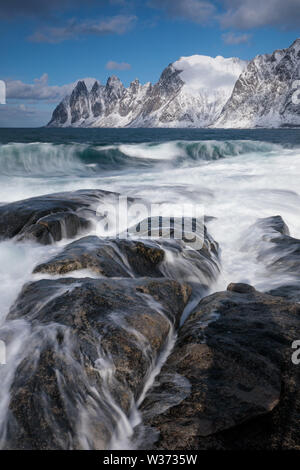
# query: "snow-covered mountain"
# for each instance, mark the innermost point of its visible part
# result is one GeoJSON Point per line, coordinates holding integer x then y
{"type": "Point", "coordinates": [263, 94]}
{"type": "Point", "coordinates": [196, 91]}
{"type": "Point", "coordinates": [190, 93]}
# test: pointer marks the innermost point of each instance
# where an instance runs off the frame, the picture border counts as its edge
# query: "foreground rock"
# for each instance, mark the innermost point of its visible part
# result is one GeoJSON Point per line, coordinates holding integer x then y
{"type": "Point", "coordinates": [51, 217]}
{"type": "Point", "coordinates": [230, 382]}
{"type": "Point", "coordinates": [134, 258]}
{"type": "Point", "coordinates": [190, 251]}
{"type": "Point", "coordinates": [140, 255]}
{"type": "Point", "coordinates": [270, 241]}
{"type": "Point", "coordinates": [90, 347]}
{"type": "Point", "coordinates": [108, 257]}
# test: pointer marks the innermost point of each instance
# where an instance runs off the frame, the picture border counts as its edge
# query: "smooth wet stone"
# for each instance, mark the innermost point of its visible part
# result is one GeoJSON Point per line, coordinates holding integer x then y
{"type": "Point", "coordinates": [235, 351]}
{"type": "Point", "coordinates": [91, 345]}
{"type": "Point", "coordinates": [240, 287]}
{"type": "Point", "coordinates": [108, 257]}
{"type": "Point", "coordinates": [191, 254]}
{"type": "Point", "coordinates": [54, 227]}
{"type": "Point", "coordinates": [52, 216]}
{"type": "Point", "coordinates": [270, 242]}
{"type": "Point", "coordinates": [134, 257]}
{"type": "Point", "coordinates": [290, 291]}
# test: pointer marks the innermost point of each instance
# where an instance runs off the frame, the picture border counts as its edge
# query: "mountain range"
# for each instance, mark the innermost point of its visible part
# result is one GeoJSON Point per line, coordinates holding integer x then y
{"type": "Point", "coordinates": [196, 91]}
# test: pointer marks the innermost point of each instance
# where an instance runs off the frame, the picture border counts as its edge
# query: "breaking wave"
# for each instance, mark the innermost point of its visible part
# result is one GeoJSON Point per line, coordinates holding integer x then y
{"type": "Point", "coordinates": [47, 159]}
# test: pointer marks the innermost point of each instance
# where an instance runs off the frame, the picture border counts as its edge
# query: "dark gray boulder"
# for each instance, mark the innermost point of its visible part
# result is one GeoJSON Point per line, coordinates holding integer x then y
{"type": "Point", "coordinates": [90, 347]}
{"type": "Point", "coordinates": [107, 257]}
{"type": "Point", "coordinates": [50, 217]}
{"type": "Point", "coordinates": [115, 257]}
{"type": "Point", "coordinates": [230, 382]}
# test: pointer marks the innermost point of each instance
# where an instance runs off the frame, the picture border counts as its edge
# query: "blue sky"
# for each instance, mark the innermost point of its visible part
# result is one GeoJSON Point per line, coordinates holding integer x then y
{"type": "Point", "coordinates": [48, 46]}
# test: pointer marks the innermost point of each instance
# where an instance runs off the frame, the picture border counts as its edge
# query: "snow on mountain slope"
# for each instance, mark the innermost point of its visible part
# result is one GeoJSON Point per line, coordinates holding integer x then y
{"type": "Point", "coordinates": [190, 93]}
{"type": "Point", "coordinates": [263, 95]}
{"type": "Point", "coordinates": [195, 91]}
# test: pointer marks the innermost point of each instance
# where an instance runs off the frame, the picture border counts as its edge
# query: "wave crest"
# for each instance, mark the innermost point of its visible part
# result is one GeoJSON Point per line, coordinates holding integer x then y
{"type": "Point", "coordinates": [47, 159]}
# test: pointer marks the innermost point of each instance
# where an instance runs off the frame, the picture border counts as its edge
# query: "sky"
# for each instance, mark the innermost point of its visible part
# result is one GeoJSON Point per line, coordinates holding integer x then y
{"type": "Point", "coordinates": [46, 46]}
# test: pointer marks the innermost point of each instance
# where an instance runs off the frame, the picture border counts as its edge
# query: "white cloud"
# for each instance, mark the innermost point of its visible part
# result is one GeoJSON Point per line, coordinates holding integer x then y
{"type": "Point", "coordinates": [234, 39]}
{"type": "Point", "coordinates": [119, 24]}
{"type": "Point", "coordinates": [40, 90]}
{"type": "Point", "coordinates": [201, 72]}
{"type": "Point", "coordinates": [112, 65]}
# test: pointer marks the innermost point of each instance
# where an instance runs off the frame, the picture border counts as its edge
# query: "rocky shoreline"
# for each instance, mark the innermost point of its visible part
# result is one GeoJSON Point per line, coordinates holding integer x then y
{"type": "Point", "coordinates": [103, 338]}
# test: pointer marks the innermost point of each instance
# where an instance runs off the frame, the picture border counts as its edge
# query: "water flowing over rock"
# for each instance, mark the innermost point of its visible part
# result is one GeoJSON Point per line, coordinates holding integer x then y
{"type": "Point", "coordinates": [108, 257]}
{"type": "Point", "coordinates": [152, 257]}
{"type": "Point", "coordinates": [90, 346]}
{"type": "Point", "coordinates": [124, 353]}
{"type": "Point", "coordinates": [52, 217]}
{"type": "Point", "coordinates": [269, 241]}
{"type": "Point", "coordinates": [234, 351]}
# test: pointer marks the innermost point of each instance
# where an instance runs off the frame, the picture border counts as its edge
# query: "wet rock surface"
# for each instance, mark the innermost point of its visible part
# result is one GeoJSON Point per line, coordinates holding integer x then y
{"type": "Point", "coordinates": [54, 227]}
{"type": "Point", "coordinates": [115, 257]}
{"type": "Point", "coordinates": [91, 344]}
{"type": "Point", "coordinates": [191, 254]}
{"type": "Point", "coordinates": [235, 352]}
{"type": "Point", "coordinates": [271, 243]}
{"type": "Point", "coordinates": [51, 217]}
{"type": "Point", "coordinates": [108, 257]}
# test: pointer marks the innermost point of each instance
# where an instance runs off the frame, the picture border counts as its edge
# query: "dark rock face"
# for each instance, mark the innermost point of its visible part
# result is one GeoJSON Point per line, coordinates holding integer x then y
{"type": "Point", "coordinates": [79, 102]}
{"type": "Point", "coordinates": [91, 345]}
{"type": "Point", "coordinates": [191, 254]}
{"type": "Point", "coordinates": [134, 258]}
{"type": "Point", "coordinates": [108, 257]}
{"type": "Point", "coordinates": [54, 227]}
{"type": "Point", "coordinates": [114, 101]}
{"type": "Point", "coordinates": [263, 94]}
{"type": "Point", "coordinates": [235, 384]}
{"type": "Point", "coordinates": [60, 114]}
{"type": "Point", "coordinates": [50, 217]}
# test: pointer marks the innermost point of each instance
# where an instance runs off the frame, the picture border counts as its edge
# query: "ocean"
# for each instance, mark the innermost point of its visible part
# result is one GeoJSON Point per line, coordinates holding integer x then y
{"type": "Point", "coordinates": [236, 176]}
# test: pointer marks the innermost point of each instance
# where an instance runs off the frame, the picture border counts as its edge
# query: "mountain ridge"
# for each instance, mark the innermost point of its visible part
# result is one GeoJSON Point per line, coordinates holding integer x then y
{"type": "Point", "coordinates": [193, 92]}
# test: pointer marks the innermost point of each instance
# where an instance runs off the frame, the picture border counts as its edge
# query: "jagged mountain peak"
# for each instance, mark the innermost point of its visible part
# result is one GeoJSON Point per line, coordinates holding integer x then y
{"type": "Point", "coordinates": [296, 45]}
{"type": "Point", "coordinates": [194, 91]}
{"type": "Point", "coordinates": [80, 88]}
{"type": "Point", "coordinates": [113, 80]}
{"type": "Point", "coordinates": [114, 88]}
{"type": "Point", "coordinates": [96, 86]}
{"type": "Point", "coordinates": [135, 86]}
